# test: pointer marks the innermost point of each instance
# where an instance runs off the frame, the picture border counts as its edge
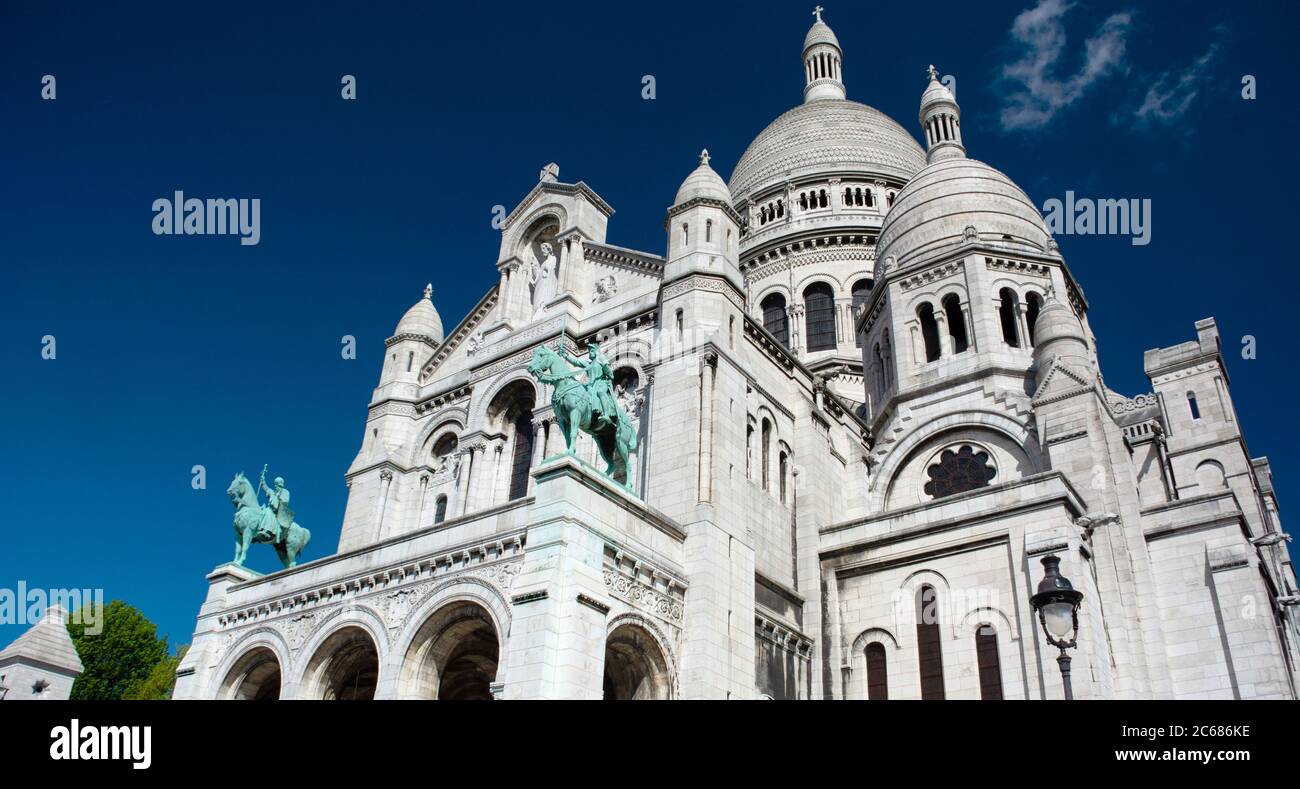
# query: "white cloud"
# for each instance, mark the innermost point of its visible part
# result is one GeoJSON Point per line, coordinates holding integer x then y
{"type": "Point", "coordinates": [1172, 94]}
{"type": "Point", "coordinates": [1039, 32]}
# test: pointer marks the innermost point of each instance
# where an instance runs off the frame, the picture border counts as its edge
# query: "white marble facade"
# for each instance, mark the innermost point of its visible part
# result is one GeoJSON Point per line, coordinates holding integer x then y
{"type": "Point", "coordinates": [868, 401]}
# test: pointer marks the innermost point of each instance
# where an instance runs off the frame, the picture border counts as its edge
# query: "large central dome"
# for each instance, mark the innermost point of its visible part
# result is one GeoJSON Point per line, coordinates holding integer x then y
{"type": "Point", "coordinates": [826, 135]}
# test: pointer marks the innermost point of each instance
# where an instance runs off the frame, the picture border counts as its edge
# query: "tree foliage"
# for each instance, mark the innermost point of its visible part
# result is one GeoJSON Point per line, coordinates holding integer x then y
{"type": "Point", "coordinates": [119, 660]}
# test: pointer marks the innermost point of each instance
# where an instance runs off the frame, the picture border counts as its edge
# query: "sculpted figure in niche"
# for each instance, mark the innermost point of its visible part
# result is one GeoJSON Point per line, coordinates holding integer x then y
{"type": "Point", "coordinates": [541, 275]}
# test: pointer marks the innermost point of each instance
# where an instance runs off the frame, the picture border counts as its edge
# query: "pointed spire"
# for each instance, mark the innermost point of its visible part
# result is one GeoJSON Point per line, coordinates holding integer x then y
{"type": "Point", "coordinates": [940, 119]}
{"type": "Point", "coordinates": [822, 62]}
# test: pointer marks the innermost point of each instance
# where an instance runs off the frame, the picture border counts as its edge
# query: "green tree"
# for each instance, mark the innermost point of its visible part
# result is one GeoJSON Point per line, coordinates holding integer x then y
{"type": "Point", "coordinates": [161, 680]}
{"type": "Point", "coordinates": [118, 659]}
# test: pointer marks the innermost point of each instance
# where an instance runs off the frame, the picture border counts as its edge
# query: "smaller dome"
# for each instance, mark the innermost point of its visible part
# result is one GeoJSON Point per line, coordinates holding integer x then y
{"type": "Point", "coordinates": [703, 182]}
{"type": "Point", "coordinates": [422, 318]}
{"type": "Point", "coordinates": [1056, 323]}
{"type": "Point", "coordinates": [820, 33]}
{"type": "Point", "coordinates": [936, 92]}
{"type": "Point", "coordinates": [955, 201]}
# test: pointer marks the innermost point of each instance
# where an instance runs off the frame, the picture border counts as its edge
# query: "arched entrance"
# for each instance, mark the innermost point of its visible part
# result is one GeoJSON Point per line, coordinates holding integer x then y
{"type": "Point", "coordinates": [254, 677]}
{"type": "Point", "coordinates": [511, 414]}
{"type": "Point", "coordinates": [635, 666]}
{"type": "Point", "coordinates": [453, 656]}
{"type": "Point", "coordinates": [345, 667]}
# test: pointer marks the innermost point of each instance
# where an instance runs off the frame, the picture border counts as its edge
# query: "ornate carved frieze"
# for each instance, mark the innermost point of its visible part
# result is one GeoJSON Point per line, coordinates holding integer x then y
{"type": "Point", "coordinates": [1018, 267]}
{"type": "Point", "coordinates": [392, 591]}
{"type": "Point", "coordinates": [391, 407]}
{"type": "Point", "coordinates": [711, 284]}
{"type": "Point", "coordinates": [933, 274]}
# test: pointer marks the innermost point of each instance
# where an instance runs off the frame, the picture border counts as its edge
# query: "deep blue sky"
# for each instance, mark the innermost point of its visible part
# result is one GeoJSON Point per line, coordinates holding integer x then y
{"type": "Point", "coordinates": [176, 351]}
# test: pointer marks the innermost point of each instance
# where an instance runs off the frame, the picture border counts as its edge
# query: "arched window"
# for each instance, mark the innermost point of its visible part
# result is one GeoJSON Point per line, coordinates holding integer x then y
{"type": "Point", "coordinates": [861, 292]}
{"type": "Point", "coordinates": [928, 643]}
{"type": "Point", "coordinates": [766, 439]}
{"type": "Point", "coordinates": [986, 655]}
{"type": "Point", "coordinates": [523, 455]}
{"type": "Point", "coordinates": [440, 509]}
{"type": "Point", "coordinates": [803, 201]}
{"type": "Point", "coordinates": [888, 351]}
{"type": "Point", "coordinates": [774, 318]}
{"type": "Point", "coordinates": [686, 234]}
{"type": "Point", "coordinates": [819, 316]}
{"type": "Point", "coordinates": [821, 198]}
{"type": "Point", "coordinates": [784, 462]}
{"type": "Point", "coordinates": [1033, 303]}
{"type": "Point", "coordinates": [410, 360]}
{"type": "Point", "coordinates": [956, 322]}
{"type": "Point", "coordinates": [780, 208]}
{"type": "Point", "coordinates": [1007, 315]}
{"type": "Point", "coordinates": [892, 195]}
{"type": "Point", "coordinates": [870, 195]}
{"type": "Point", "coordinates": [877, 677]}
{"type": "Point", "coordinates": [1192, 406]}
{"type": "Point", "coordinates": [708, 231]}
{"type": "Point", "coordinates": [929, 331]}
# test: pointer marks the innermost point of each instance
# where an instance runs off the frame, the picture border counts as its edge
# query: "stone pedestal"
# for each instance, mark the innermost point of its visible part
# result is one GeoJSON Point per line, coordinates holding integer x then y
{"type": "Point", "coordinates": [188, 684]}
{"type": "Point", "coordinates": [556, 647]}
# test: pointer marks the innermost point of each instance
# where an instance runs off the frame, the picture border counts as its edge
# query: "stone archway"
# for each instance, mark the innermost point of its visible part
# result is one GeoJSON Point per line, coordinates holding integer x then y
{"type": "Point", "coordinates": [256, 676]}
{"type": "Point", "coordinates": [453, 656]}
{"type": "Point", "coordinates": [635, 666]}
{"type": "Point", "coordinates": [345, 666]}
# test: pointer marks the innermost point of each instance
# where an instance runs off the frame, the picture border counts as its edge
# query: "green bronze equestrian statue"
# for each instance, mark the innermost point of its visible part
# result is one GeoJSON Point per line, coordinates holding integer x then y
{"type": "Point", "coordinates": [590, 407]}
{"type": "Point", "coordinates": [272, 523]}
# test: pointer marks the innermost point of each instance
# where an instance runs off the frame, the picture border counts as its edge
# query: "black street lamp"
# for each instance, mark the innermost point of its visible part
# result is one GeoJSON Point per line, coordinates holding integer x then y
{"type": "Point", "coordinates": [1057, 604]}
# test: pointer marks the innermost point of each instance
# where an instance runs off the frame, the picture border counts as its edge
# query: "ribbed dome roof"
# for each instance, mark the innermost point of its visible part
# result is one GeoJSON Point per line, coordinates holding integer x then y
{"type": "Point", "coordinates": [933, 211]}
{"type": "Point", "coordinates": [703, 182]}
{"type": "Point", "coordinates": [820, 33]}
{"type": "Point", "coordinates": [830, 135]}
{"type": "Point", "coordinates": [936, 91]}
{"type": "Point", "coordinates": [421, 319]}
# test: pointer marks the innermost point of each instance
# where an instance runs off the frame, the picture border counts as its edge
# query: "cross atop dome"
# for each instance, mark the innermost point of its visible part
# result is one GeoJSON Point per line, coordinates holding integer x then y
{"type": "Point", "coordinates": [932, 73]}
{"type": "Point", "coordinates": [817, 12]}
{"type": "Point", "coordinates": [704, 156]}
{"type": "Point", "coordinates": [428, 291]}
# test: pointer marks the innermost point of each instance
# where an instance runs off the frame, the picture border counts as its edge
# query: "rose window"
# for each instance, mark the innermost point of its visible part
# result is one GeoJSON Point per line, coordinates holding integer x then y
{"type": "Point", "coordinates": [959, 470]}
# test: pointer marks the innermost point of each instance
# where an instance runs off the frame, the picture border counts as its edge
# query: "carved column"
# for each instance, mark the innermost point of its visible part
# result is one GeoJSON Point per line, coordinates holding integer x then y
{"type": "Point", "coordinates": [424, 500]}
{"type": "Point", "coordinates": [796, 329]}
{"type": "Point", "coordinates": [539, 450]}
{"type": "Point", "coordinates": [462, 482]}
{"type": "Point", "coordinates": [945, 341]}
{"type": "Point", "coordinates": [385, 483]}
{"type": "Point", "coordinates": [708, 368]}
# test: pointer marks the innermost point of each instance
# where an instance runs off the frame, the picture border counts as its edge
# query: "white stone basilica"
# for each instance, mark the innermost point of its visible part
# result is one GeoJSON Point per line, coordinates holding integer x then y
{"type": "Point", "coordinates": [868, 404]}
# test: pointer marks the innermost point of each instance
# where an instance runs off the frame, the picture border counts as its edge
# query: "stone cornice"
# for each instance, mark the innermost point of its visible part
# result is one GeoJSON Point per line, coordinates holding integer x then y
{"type": "Point", "coordinates": [709, 202]}
{"type": "Point", "coordinates": [628, 259]}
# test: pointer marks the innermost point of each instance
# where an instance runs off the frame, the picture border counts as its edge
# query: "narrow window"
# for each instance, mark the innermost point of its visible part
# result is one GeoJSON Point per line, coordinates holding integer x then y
{"type": "Point", "coordinates": [1007, 315]}
{"type": "Point", "coordinates": [523, 455]}
{"type": "Point", "coordinates": [766, 439]}
{"type": "Point", "coordinates": [774, 318]}
{"type": "Point", "coordinates": [986, 655]}
{"type": "Point", "coordinates": [784, 462]}
{"type": "Point", "coordinates": [956, 322]}
{"type": "Point", "coordinates": [1033, 303]}
{"type": "Point", "coordinates": [410, 360]}
{"type": "Point", "coordinates": [440, 510]}
{"type": "Point", "coordinates": [819, 317]}
{"type": "Point", "coordinates": [686, 234]}
{"type": "Point", "coordinates": [870, 196]}
{"type": "Point", "coordinates": [708, 231]}
{"type": "Point", "coordinates": [1191, 404]}
{"type": "Point", "coordinates": [731, 332]}
{"type": "Point", "coordinates": [821, 199]}
{"type": "Point", "coordinates": [928, 643]}
{"type": "Point", "coordinates": [680, 325]}
{"type": "Point", "coordinates": [929, 331]}
{"type": "Point", "coordinates": [877, 678]}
